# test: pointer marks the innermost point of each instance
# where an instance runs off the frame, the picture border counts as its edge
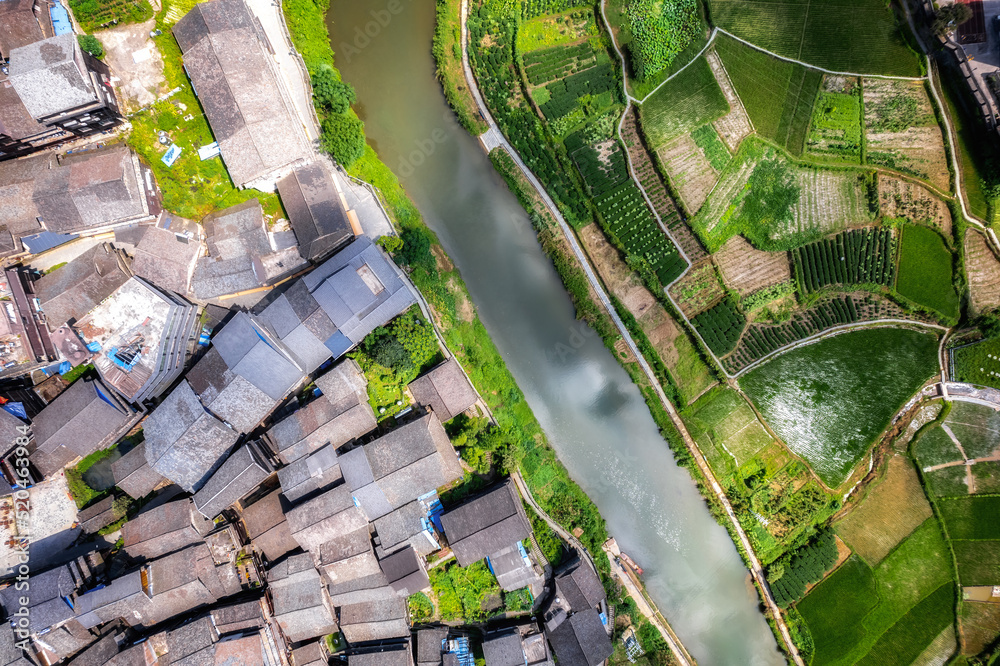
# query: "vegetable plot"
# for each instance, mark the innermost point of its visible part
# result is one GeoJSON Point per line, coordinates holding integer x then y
{"type": "Point", "coordinates": [858, 256]}
{"type": "Point", "coordinates": [721, 326]}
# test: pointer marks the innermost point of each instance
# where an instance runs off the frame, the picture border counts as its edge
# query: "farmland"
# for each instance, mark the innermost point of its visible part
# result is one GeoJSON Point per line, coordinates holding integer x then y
{"type": "Point", "coordinates": [980, 626]}
{"type": "Point", "coordinates": [977, 427]}
{"type": "Point", "coordinates": [983, 271]}
{"type": "Point", "coordinates": [555, 63]}
{"type": "Point", "coordinates": [900, 198]}
{"type": "Point", "coordinates": [778, 96]}
{"type": "Point", "coordinates": [888, 514]}
{"type": "Point", "coordinates": [690, 99]}
{"type": "Point", "coordinates": [735, 125]}
{"type": "Point", "coordinates": [971, 518]}
{"type": "Point", "coordinates": [747, 270]}
{"type": "Point", "coordinates": [858, 256]}
{"type": "Point", "coordinates": [720, 326]}
{"type": "Point", "coordinates": [690, 171]}
{"type": "Point", "coordinates": [835, 131]}
{"type": "Point", "coordinates": [979, 363]}
{"type": "Point", "coordinates": [94, 15]}
{"type": "Point", "coordinates": [828, 401]}
{"type": "Point", "coordinates": [862, 613]}
{"type": "Point", "coordinates": [698, 289]}
{"type": "Point", "coordinates": [548, 31]}
{"type": "Point", "coordinates": [859, 36]}
{"type": "Point", "coordinates": [925, 271]}
{"type": "Point", "coordinates": [627, 218]}
{"type": "Point", "coordinates": [902, 131]}
{"type": "Point", "coordinates": [776, 204]}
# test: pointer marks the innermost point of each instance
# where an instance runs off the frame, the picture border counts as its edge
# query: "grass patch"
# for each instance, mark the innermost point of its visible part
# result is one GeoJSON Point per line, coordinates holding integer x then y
{"type": "Point", "coordinates": [83, 494]}
{"type": "Point", "coordinates": [862, 36]}
{"type": "Point", "coordinates": [971, 517]}
{"type": "Point", "coordinates": [706, 138]}
{"type": "Point", "coordinates": [690, 99]}
{"type": "Point", "coordinates": [94, 14]}
{"type": "Point", "coordinates": [544, 32]}
{"type": "Point", "coordinates": [925, 271]}
{"type": "Point", "coordinates": [836, 126]}
{"type": "Point", "coordinates": [462, 593]}
{"type": "Point", "coordinates": [77, 372]}
{"type": "Point", "coordinates": [978, 562]}
{"type": "Point", "coordinates": [777, 95]}
{"type": "Point", "coordinates": [831, 610]}
{"type": "Point", "coordinates": [421, 608]}
{"type": "Point", "coordinates": [947, 482]}
{"type": "Point", "coordinates": [448, 60]}
{"type": "Point", "coordinates": [829, 401]}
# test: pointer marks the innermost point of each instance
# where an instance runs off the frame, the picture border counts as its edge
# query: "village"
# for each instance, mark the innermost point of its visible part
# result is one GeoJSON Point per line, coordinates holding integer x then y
{"type": "Point", "coordinates": [195, 468]}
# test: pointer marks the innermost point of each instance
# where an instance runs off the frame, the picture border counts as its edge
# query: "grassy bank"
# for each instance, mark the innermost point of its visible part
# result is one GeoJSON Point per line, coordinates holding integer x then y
{"type": "Point", "coordinates": [443, 288]}
{"type": "Point", "coordinates": [448, 56]}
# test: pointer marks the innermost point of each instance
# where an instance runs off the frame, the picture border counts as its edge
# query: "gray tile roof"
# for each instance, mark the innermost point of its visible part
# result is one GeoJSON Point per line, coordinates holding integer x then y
{"type": "Point", "coordinates": [323, 518]}
{"type": "Point", "coordinates": [579, 586]}
{"type": "Point", "coordinates": [444, 389]}
{"type": "Point", "coordinates": [317, 213]}
{"type": "Point", "coordinates": [311, 654]}
{"type": "Point", "coordinates": [394, 655]}
{"type": "Point", "coordinates": [238, 617]}
{"type": "Point", "coordinates": [251, 115]}
{"type": "Point", "coordinates": [504, 649]}
{"type": "Point", "coordinates": [403, 464]}
{"type": "Point", "coordinates": [309, 351]}
{"type": "Point", "coordinates": [299, 600]}
{"type": "Point", "coordinates": [486, 524]}
{"type": "Point", "coordinates": [49, 76]}
{"type": "Point", "coordinates": [513, 572]}
{"type": "Point", "coordinates": [341, 414]}
{"type": "Point", "coordinates": [45, 602]}
{"type": "Point", "coordinates": [579, 639]}
{"type": "Point", "coordinates": [233, 236]}
{"type": "Point", "coordinates": [166, 259]}
{"type": "Point", "coordinates": [253, 351]}
{"type": "Point", "coordinates": [375, 620]}
{"type": "Point", "coordinates": [429, 645]}
{"type": "Point", "coordinates": [134, 475]}
{"type": "Point", "coordinates": [191, 639]}
{"type": "Point", "coordinates": [161, 530]}
{"type": "Point", "coordinates": [185, 443]}
{"type": "Point", "coordinates": [267, 528]}
{"type": "Point", "coordinates": [98, 654]}
{"type": "Point", "coordinates": [75, 289]}
{"type": "Point", "coordinates": [360, 289]}
{"type": "Point", "coordinates": [228, 396]}
{"type": "Point", "coordinates": [314, 473]}
{"type": "Point", "coordinates": [241, 474]}
{"type": "Point", "coordinates": [398, 527]}
{"type": "Point", "coordinates": [20, 25]}
{"type": "Point", "coordinates": [86, 417]}
{"type": "Point", "coordinates": [347, 558]}
{"type": "Point", "coordinates": [405, 572]}
{"type": "Point", "coordinates": [10, 654]}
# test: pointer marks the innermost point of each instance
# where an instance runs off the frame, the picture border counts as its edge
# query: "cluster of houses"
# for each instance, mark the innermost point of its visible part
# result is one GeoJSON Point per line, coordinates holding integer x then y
{"type": "Point", "coordinates": [275, 518]}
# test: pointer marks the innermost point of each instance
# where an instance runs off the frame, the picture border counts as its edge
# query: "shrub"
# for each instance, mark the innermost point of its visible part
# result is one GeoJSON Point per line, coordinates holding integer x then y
{"type": "Point", "coordinates": [421, 608]}
{"type": "Point", "coordinates": [343, 137]}
{"type": "Point", "coordinates": [390, 244]}
{"type": "Point", "coordinates": [91, 45]}
{"type": "Point", "coordinates": [332, 93]}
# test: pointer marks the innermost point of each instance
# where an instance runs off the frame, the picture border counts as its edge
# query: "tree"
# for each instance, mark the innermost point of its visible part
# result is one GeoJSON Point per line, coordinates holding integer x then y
{"type": "Point", "coordinates": [91, 45]}
{"type": "Point", "coordinates": [950, 17]}
{"type": "Point", "coordinates": [332, 93]}
{"type": "Point", "coordinates": [343, 137]}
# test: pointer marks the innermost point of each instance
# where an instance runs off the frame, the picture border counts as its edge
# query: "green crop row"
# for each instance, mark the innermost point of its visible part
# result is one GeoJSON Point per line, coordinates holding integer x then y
{"type": "Point", "coordinates": [858, 256]}
{"type": "Point", "coordinates": [720, 326]}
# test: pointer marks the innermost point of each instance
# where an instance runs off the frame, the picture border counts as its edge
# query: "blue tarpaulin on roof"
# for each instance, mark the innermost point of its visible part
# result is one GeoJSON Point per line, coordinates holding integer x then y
{"type": "Point", "coordinates": [60, 19]}
{"type": "Point", "coordinates": [46, 240]}
{"type": "Point", "coordinates": [93, 347]}
{"type": "Point", "coordinates": [17, 409]}
{"type": "Point", "coordinates": [65, 367]}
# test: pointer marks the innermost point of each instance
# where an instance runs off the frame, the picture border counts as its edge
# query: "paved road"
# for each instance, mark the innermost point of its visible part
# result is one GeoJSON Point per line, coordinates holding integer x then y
{"type": "Point", "coordinates": [290, 66]}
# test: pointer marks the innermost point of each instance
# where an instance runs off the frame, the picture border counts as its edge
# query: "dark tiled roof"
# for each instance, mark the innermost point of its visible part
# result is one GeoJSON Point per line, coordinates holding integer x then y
{"type": "Point", "coordinates": [404, 572]}
{"type": "Point", "coordinates": [228, 396]}
{"type": "Point", "coordinates": [323, 518]}
{"type": "Point", "coordinates": [47, 75]}
{"type": "Point", "coordinates": [298, 597]}
{"type": "Point", "coordinates": [429, 646]}
{"type": "Point", "coordinates": [166, 259]}
{"type": "Point", "coordinates": [134, 475]}
{"type": "Point", "coordinates": [360, 289]}
{"type": "Point", "coordinates": [579, 586]}
{"type": "Point", "coordinates": [233, 236]}
{"type": "Point", "coordinates": [238, 617]}
{"type": "Point", "coordinates": [97, 516]}
{"type": "Point", "coordinates": [10, 654]}
{"type": "Point", "coordinates": [315, 210]}
{"type": "Point", "coordinates": [75, 289]}
{"type": "Point", "coordinates": [240, 475]}
{"type": "Point", "coordinates": [580, 639]}
{"type": "Point", "coordinates": [185, 443]}
{"type": "Point", "coordinates": [46, 604]}
{"type": "Point", "coordinates": [486, 524]}
{"type": "Point", "coordinates": [267, 528]}
{"type": "Point", "coordinates": [349, 564]}
{"type": "Point", "coordinates": [503, 649]}
{"type": "Point", "coordinates": [86, 417]}
{"type": "Point", "coordinates": [395, 655]}
{"type": "Point", "coordinates": [312, 654]}
{"type": "Point", "coordinates": [444, 389]}
{"type": "Point", "coordinates": [252, 119]}
{"type": "Point", "coordinates": [161, 530]}
{"type": "Point", "coordinates": [20, 25]}
{"type": "Point", "coordinates": [98, 654]}
{"type": "Point", "coordinates": [400, 526]}
{"type": "Point", "coordinates": [311, 474]}
{"type": "Point", "coordinates": [253, 351]}
{"type": "Point", "coordinates": [375, 620]}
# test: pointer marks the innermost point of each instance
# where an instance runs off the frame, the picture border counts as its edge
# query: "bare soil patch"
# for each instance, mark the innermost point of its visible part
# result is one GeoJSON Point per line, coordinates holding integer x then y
{"type": "Point", "coordinates": [735, 125]}
{"type": "Point", "coordinates": [983, 270]}
{"type": "Point", "coordinates": [689, 171]}
{"type": "Point", "coordinates": [747, 269]}
{"type": "Point", "coordinates": [901, 198]}
{"type": "Point", "coordinates": [134, 58]}
{"type": "Point", "coordinates": [911, 140]}
{"type": "Point", "coordinates": [699, 289]}
{"type": "Point", "coordinates": [890, 511]}
{"type": "Point", "coordinates": [980, 624]}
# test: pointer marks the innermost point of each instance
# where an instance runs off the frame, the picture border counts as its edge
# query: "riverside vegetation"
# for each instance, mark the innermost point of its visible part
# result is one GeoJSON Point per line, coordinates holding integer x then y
{"type": "Point", "coordinates": [796, 165]}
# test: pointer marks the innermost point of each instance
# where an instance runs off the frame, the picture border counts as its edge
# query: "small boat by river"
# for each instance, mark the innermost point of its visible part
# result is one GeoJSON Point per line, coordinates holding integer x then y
{"type": "Point", "coordinates": [629, 561]}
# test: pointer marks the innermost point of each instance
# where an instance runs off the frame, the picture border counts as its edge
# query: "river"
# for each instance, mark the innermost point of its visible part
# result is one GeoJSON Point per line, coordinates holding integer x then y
{"type": "Point", "coordinates": [593, 415]}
